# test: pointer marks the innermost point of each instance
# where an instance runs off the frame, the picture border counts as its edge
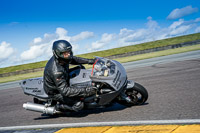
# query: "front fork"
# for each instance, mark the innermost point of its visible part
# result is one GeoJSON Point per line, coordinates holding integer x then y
{"type": "Point", "coordinates": [130, 84]}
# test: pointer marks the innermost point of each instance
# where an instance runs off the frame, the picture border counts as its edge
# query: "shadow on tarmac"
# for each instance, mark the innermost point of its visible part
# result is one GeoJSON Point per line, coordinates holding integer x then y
{"type": "Point", "coordinates": [86, 112]}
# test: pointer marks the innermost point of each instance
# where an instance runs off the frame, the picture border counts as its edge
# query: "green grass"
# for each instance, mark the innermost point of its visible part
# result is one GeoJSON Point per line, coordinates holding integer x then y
{"type": "Point", "coordinates": [122, 60]}
{"type": "Point", "coordinates": [159, 53]}
{"type": "Point", "coordinates": [21, 77]}
{"type": "Point", "coordinates": [110, 52]}
{"type": "Point", "coordinates": [143, 46]}
{"type": "Point", "coordinates": [23, 67]}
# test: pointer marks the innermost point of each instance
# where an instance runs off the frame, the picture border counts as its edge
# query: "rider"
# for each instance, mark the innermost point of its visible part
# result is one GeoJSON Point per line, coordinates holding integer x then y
{"type": "Point", "coordinates": [56, 77]}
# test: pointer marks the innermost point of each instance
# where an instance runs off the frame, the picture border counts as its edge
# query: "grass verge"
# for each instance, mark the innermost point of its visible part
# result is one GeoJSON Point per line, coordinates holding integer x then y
{"type": "Point", "coordinates": [158, 54]}
{"type": "Point", "coordinates": [21, 77]}
{"type": "Point", "coordinates": [122, 60]}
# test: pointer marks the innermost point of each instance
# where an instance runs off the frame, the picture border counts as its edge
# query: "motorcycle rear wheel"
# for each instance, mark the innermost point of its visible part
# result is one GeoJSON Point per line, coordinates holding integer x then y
{"type": "Point", "coordinates": [138, 96]}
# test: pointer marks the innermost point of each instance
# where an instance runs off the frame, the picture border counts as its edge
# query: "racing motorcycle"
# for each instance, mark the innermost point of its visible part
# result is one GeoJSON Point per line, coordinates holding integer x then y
{"type": "Point", "coordinates": [107, 76]}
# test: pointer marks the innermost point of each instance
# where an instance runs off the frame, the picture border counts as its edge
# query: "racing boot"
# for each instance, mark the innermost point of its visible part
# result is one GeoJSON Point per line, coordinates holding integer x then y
{"type": "Point", "coordinates": [76, 107]}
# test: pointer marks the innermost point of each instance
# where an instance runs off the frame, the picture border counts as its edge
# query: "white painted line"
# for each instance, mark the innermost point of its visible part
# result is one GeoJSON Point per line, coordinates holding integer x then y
{"type": "Point", "coordinates": [93, 124]}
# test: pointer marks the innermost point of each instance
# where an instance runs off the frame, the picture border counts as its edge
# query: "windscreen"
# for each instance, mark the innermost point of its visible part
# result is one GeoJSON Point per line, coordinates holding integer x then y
{"type": "Point", "coordinates": [103, 67]}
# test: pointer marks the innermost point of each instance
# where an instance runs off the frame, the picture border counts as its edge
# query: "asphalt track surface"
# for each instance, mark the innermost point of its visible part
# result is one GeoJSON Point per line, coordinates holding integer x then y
{"type": "Point", "coordinates": [173, 86]}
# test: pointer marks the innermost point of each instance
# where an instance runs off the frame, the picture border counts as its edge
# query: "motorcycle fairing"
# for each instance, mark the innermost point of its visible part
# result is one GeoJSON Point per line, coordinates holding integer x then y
{"type": "Point", "coordinates": [81, 78]}
{"type": "Point", "coordinates": [107, 98]}
{"type": "Point", "coordinates": [34, 87]}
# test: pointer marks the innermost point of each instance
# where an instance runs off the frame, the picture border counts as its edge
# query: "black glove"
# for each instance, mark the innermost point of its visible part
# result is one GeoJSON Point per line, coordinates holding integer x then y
{"type": "Point", "coordinates": [58, 97]}
{"type": "Point", "coordinates": [91, 61]}
{"type": "Point", "coordinates": [90, 91]}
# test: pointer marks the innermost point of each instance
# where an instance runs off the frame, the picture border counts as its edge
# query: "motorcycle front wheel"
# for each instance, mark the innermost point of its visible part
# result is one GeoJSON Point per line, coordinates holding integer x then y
{"type": "Point", "coordinates": [138, 96]}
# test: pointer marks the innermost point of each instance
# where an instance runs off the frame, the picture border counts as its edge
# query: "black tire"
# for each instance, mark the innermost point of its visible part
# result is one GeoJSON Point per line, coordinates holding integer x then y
{"type": "Point", "coordinates": [138, 95]}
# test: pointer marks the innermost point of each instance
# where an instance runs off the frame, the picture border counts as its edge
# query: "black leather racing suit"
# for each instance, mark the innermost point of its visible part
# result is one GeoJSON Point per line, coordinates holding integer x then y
{"type": "Point", "coordinates": [56, 77]}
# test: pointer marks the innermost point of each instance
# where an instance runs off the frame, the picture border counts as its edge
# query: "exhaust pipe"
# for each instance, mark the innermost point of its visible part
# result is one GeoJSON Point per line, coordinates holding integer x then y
{"type": "Point", "coordinates": [39, 108]}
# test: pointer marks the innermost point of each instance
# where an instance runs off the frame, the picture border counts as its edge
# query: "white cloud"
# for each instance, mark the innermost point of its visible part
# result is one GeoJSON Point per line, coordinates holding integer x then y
{"type": "Point", "coordinates": [82, 36]}
{"type": "Point", "coordinates": [37, 40]}
{"type": "Point", "coordinates": [34, 52]}
{"type": "Point", "coordinates": [180, 30]}
{"type": "Point", "coordinates": [125, 32]}
{"type": "Point", "coordinates": [178, 13]}
{"type": "Point", "coordinates": [197, 29]}
{"type": "Point", "coordinates": [151, 24]}
{"type": "Point", "coordinates": [176, 24]}
{"type": "Point", "coordinates": [6, 50]}
{"type": "Point", "coordinates": [182, 27]}
{"type": "Point", "coordinates": [137, 35]}
{"type": "Point", "coordinates": [130, 37]}
{"type": "Point", "coordinates": [107, 37]}
{"type": "Point", "coordinates": [105, 40]}
{"type": "Point", "coordinates": [151, 32]}
{"type": "Point", "coordinates": [42, 47]}
{"type": "Point", "coordinates": [61, 32]}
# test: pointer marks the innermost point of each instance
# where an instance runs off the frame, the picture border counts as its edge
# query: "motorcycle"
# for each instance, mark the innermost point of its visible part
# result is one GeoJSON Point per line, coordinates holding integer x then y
{"type": "Point", "coordinates": [107, 76]}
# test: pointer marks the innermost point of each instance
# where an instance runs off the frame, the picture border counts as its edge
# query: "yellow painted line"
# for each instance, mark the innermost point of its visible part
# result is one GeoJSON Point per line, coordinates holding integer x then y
{"type": "Point", "coordinates": [135, 129]}
{"type": "Point", "coordinates": [85, 130]}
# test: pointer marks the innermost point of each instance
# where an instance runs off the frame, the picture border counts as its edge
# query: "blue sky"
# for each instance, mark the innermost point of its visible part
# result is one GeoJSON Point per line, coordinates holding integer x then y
{"type": "Point", "coordinates": [29, 27]}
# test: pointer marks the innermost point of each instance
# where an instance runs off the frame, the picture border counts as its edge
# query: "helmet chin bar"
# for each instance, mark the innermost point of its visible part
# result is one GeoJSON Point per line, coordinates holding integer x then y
{"type": "Point", "coordinates": [66, 54]}
{"type": "Point", "coordinates": [62, 57]}
{"type": "Point", "coordinates": [69, 57]}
